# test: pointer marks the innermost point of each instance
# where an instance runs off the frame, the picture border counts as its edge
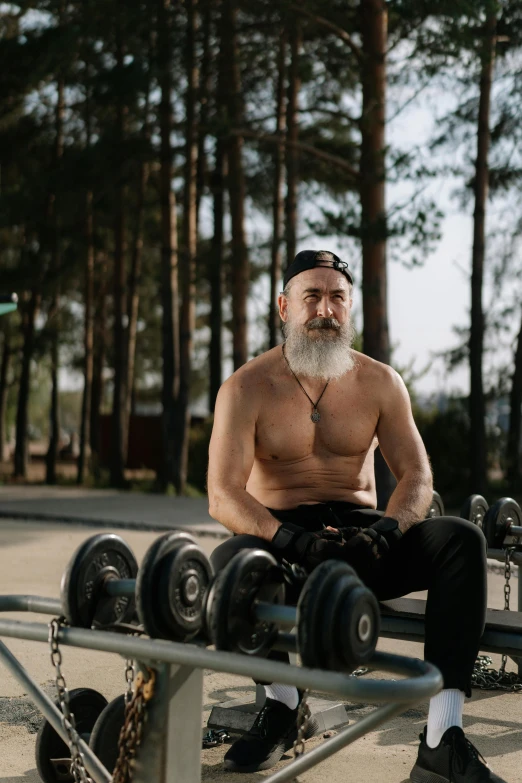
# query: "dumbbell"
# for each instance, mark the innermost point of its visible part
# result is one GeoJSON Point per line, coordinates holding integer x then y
{"type": "Point", "coordinates": [436, 508]}
{"type": "Point", "coordinates": [53, 756]}
{"type": "Point", "coordinates": [502, 524]}
{"type": "Point", "coordinates": [474, 509]}
{"type": "Point", "coordinates": [337, 616]}
{"type": "Point", "coordinates": [102, 586]}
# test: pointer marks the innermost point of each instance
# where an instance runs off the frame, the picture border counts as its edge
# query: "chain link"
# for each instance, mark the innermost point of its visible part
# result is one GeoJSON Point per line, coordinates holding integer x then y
{"type": "Point", "coordinates": [135, 715]}
{"type": "Point", "coordinates": [77, 760]}
{"type": "Point", "coordinates": [484, 675]}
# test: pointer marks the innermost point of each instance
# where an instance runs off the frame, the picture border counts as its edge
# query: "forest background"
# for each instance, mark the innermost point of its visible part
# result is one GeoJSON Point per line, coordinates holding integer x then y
{"type": "Point", "coordinates": [161, 161]}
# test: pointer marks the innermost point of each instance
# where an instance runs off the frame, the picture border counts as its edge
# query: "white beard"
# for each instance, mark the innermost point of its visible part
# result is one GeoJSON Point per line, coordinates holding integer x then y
{"type": "Point", "coordinates": [317, 352]}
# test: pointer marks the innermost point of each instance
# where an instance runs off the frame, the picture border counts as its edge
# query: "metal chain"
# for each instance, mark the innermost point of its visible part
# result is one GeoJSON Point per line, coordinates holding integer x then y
{"type": "Point", "coordinates": [303, 718]}
{"type": "Point", "coordinates": [77, 760]}
{"type": "Point", "coordinates": [135, 715]}
{"type": "Point", "coordinates": [130, 674]}
{"type": "Point", "coordinates": [484, 675]}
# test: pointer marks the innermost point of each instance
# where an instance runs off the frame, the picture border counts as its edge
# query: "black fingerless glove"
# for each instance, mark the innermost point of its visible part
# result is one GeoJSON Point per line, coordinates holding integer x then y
{"type": "Point", "coordinates": [388, 529]}
{"type": "Point", "coordinates": [365, 547]}
{"type": "Point", "coordinates": [307, 549]}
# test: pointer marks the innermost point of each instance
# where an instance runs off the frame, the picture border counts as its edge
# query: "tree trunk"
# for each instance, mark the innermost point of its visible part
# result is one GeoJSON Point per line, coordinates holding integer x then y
{"type": "Point", "coordinates": [54, 423]}
{"type": "Point", "coordinates": [188, 305]}
{"type": "Point", "coordinates": [373, 20]}
{"type": "Point", "coordinates": [216, 276]}
{"type": "Point", "coordinates": [133, 294]}
{"type": "Point", "coordinates": [99, 353]}
{"type": "Point", "coordinates": [84, 457]}
{"type": "Point", "coordinates": [372, 179]}
{"type": "Point", "coordinates": [205, 87]}
{"type": "Point", "coordinates": [277, 203]}
{"type": "Point", "coordinates": [236, 184]}
{"type": "Point", "coordinates": [477, 409]}
{"type": "Point", "coordinates": [29, 310]}
{"type": "Point", "coordinates": [292, 130]}
{"type": "Point", "coordinates": [169, 252]}
{"type": "Point", "coordinates": [514, 468]}
{"type": "Point", "coordinates": [4, 371]}
{"type": "Point", "coordinates": [118, 456]}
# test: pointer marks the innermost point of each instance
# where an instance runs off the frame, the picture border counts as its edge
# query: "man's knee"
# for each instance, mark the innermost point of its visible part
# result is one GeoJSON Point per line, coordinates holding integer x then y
{"type": "Point", "coordinates": [468, 537]}
{"type": "Point", "coordinates": [224, 553]}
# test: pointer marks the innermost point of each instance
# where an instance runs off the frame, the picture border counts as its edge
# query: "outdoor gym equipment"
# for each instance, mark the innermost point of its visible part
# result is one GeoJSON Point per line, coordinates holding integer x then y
{"type": "Point", "coordinates": [436, 507]}
{"type": "Point", "coordinates": [101, 586]}
{"type": "Point", "coordinates": [8, 303]}
{"type": "Point", "coordinates": [337, 616]}
{"type": "Point", "coordinates": [474, 509]}
{"type": "Point", "coordinates": [502, 524]}
{"type": "Point", "coordinates": [169, 683]}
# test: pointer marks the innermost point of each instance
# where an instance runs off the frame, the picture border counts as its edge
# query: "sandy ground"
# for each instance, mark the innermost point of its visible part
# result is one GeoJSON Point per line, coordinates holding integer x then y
{"type": "Point", "coordinates": [32, 559]}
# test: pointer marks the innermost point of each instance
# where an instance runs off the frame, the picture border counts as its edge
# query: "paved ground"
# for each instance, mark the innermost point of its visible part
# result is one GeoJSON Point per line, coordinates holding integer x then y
{"type": "Point", "coordinates": [32, 559]}
{"type": "Point", "coordinates": [108, 508]}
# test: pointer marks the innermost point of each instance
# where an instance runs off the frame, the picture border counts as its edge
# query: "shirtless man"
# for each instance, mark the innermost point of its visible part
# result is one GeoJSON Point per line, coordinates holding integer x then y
{"type": "Point", "coordinates": [291, 464]}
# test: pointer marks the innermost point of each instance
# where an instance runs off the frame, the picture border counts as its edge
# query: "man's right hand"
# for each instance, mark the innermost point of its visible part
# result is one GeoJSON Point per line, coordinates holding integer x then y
{"type": "Point", "coordinates": [308, 549]}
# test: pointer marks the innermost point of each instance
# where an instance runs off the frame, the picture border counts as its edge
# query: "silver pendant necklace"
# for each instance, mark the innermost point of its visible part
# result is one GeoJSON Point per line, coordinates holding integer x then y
{"type": "Point", "coordinates": [315, 415]}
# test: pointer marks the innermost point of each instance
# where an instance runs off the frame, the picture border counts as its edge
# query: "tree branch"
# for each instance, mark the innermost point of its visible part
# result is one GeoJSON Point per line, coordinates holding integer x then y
{"type": "Point", "coordinates": [338, 31]}
{"type": "Point", "coordinates": [320, 154]}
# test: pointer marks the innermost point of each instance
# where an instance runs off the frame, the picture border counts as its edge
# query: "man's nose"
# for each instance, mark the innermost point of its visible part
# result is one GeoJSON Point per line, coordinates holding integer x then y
{"type": "Point", "coordinates": [324, 308]}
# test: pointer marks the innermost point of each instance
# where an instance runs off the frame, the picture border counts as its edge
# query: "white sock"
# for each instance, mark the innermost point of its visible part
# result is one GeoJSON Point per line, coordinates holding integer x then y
{"type": "Point", "coordinates": [286, 694]}
{"type": "Point", "coordinates": [445, 711]}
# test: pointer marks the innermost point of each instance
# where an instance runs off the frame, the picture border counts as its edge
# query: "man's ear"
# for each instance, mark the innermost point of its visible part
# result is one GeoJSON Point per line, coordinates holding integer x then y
{"type": "Point", "coordinates": [282, 302]}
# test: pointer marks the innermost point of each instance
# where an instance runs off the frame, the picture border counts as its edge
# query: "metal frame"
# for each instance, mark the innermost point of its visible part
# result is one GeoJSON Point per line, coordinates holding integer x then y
{"type": "Point", "coordinates": [171, 750]}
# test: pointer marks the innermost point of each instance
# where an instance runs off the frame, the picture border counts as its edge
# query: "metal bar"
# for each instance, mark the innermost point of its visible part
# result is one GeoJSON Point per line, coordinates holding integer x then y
{"type": "Point", "coordinates": [116, 587]}
{"type": "Point", "coordinates": [331, 746]}
{"type": "Point", "coordinates": [31, 603]}
{"type": "Point", "coordinates": [49, 710]}
{"type": "Point", "coordinates": [286, 642]}
{"type": "Point", "coordinates": [500, 554]}
{"type": "Point", "coordinates": [276, 613]}
{"type": "Point", "coordinates": [424, 680]}
{"type": "Point", "coordinates": [515, 530]}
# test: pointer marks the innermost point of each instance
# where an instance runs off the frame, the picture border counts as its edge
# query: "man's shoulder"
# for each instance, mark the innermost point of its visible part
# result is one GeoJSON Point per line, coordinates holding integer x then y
{"type": "Point", "coordinates": [373, 371]}
{"type": "Point", "coordinates": [253, 375]}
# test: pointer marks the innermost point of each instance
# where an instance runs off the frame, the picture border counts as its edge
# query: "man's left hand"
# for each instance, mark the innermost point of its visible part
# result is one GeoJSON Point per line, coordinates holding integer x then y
{"type": "Point", "coordinates": [366, 547]}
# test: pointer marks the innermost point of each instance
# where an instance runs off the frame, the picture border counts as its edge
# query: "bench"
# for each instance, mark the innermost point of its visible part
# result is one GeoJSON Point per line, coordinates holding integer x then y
{"type": "Point", "coordinates": [403, 618]}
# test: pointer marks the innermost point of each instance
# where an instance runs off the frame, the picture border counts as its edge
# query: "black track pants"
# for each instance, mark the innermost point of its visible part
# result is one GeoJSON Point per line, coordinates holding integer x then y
{"type": "Point", "coordinates": [445, 556]}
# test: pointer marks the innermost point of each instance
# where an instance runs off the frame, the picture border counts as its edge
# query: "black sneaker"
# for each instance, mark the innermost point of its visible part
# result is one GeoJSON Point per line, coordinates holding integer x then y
{"type": "Point", "coordinates": [454, 760]}
{"type": "Point", "coordinates": [273, 733]}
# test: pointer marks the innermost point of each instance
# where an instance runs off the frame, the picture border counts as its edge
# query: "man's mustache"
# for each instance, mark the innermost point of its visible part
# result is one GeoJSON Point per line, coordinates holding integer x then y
{"type": "Point", "coordinates": [323, 323]}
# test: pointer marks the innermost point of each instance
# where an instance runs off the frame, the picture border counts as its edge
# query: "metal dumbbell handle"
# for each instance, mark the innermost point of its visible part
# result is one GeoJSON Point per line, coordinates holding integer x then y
{"type": "Point", "coordinates": [514, 530]}
{"type": "Point", "coordinates": [279, 614]}
{"type": "Point", "coordinates": [286, 616]}
{"type": "Point", "coordinates": [118, 587]}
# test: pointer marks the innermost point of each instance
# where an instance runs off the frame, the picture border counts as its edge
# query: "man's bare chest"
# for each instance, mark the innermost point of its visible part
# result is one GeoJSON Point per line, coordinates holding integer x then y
{"type": "Point", "coordinates": [285, 430]}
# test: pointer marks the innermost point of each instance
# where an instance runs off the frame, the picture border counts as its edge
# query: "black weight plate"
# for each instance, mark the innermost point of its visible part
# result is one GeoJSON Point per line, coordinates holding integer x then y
{"type": "Point", "coordinates": [85, 603]}
{"type": "Point", "coordinates": [474, 509]}
{"type": "Point", "coordinates": [106, 733]}
{"type": "Point", "coordinates": [358, 624]}
{"type": "Point", "coordinates": [311, 608]}
{"type": "Point", "coordinates": [86, 704]}
{"type": "Point", "coordinates": [436, 506]}
{"type": "Point", "coordinates": [332, 654]}
{"type": "Point", "coordinates": [497, 521]}
{"type": "Point", "coordinates": [252, 575]}
{"type": "Point", "coordinates": [170, 590]}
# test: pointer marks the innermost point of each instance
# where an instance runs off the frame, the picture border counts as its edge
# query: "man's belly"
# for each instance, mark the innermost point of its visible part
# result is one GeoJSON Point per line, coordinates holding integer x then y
{"type": "Point", "coordinates": [313, 480]}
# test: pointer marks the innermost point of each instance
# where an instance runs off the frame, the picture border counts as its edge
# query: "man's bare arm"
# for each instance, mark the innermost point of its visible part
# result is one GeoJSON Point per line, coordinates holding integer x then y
{"type": "Point", "coordinates": [404, 451]}
{"type": "Point", "coordinates": [231, 456]}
